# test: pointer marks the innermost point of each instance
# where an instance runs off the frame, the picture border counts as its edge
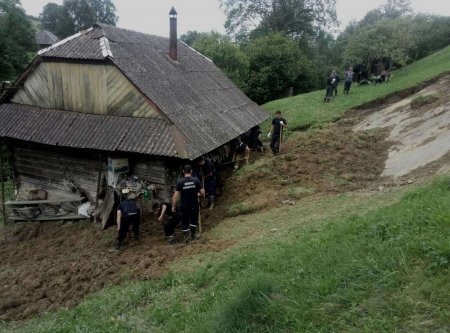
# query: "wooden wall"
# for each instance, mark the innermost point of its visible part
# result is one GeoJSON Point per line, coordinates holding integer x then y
{"type": "Point", "coordinates": [43, 167]}
{"type": "Point", "coordinates": [89, 88]}
{"type": "Point", "coordinates": [40, 168]}
{"type": "Point", "coordinates": [162, 173]}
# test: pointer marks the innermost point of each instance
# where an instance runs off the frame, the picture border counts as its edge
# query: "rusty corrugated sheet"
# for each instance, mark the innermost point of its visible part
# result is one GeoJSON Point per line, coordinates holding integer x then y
{"type": "Point", "coordinates": [88, 131]}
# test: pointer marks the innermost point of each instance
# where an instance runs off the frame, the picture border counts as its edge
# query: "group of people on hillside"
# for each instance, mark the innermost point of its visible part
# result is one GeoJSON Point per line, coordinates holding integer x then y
{"type": "Point", "coordinates": [333, 81]}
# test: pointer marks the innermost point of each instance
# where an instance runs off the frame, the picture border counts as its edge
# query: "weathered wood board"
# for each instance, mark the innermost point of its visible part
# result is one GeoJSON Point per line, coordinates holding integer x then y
{"type": "Point", "coordinates": [88, 88]}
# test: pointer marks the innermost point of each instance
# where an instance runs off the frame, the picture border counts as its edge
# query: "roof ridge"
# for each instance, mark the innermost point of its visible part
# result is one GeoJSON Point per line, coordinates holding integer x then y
{"type": "Point", "coordinates": [105, 48]}
{"type": "Point", "coordinates": [65, 40]}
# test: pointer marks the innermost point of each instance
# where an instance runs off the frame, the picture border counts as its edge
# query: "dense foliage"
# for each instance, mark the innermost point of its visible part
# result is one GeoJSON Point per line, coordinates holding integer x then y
{"type": "Point", "coordinates": [305, 51]}
{"type": "Point", "coordinates": [75, 15]}
{"type": "Point", "coordinates": [16, 39]}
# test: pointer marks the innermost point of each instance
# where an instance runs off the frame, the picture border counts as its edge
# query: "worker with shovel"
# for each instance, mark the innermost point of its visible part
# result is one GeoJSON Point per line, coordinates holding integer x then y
{"type": "Point", "coordinates": [187, 192]}
{"type": "Point", "coordinates": [276, 132]}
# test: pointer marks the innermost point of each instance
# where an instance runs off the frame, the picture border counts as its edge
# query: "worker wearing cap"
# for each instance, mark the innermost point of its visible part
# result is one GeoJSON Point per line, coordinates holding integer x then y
{"type": "Point", "coordinates": [128, 214]}
{"type": "Point", "coordinates": [187, 191]}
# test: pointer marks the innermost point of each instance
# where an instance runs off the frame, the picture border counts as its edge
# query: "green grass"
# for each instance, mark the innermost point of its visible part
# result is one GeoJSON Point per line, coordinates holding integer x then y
{"type": "Point", "coordinates": [354, 262]}
{"type": "Point", "coordinates": [307, 110]}
{"type": "Point", "coordinates": [422, 100]}
{"type": "Point", "coordinates": [385, 270]}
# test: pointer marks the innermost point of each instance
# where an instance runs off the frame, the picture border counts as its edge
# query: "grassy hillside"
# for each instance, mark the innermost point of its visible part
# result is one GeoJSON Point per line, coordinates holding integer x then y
{"type": "Point", "coordinates": [307, 110]}
{"type": "Point", "coordinates": [366, 267]}
{"type": "Point", "coordinates": [367, 261]}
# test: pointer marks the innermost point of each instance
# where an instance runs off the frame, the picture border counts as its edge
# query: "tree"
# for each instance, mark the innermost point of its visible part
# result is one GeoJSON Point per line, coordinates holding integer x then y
{"type": "Point", "coordinates": [17, 40]}
{"type": "Point", "coordinates": [275, 62]}
{"type": "Point", "coordinates": [189, 37]}
{"type": "Point", "coordinates": [76, 15]}
{"type": "Point", "coordinates": [388, 38]}
{"type": "Point", "coordinates": [56, 19]}
{"type": "Point", "coordinates": [397, 8]}
{"type": "Point", "coordinates": [292, 17]}
{"type": "Point", "coordinates": [225, 54]}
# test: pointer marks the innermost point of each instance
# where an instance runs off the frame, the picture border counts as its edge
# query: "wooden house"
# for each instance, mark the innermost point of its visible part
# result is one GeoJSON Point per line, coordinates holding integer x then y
{"type": "Point", "coordinates": [45, 38]}
{"type": "Point", "coordinates": [108, 92]}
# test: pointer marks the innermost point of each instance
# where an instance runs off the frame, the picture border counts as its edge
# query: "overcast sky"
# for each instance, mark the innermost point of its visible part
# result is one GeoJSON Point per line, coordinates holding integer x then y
{"type": "Point", "coordinates": [151, 16]}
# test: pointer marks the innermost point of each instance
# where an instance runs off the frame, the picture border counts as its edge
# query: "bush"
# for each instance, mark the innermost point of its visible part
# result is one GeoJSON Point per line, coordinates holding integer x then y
{"type": "Point", "coordinates": [420, 101]}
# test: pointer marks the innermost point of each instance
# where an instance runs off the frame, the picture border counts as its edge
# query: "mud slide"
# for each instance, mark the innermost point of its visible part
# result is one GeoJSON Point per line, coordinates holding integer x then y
{"type": "Point", "coordinates": [419, 127]}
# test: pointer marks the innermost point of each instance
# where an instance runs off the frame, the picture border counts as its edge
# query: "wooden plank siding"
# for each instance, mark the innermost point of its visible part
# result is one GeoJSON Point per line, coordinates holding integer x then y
{"type": "Point", "coordinates": [88, 88]}
{"type": "Point", "coordinates": [158, 172]}
{"type": "Point", "coordinates": [38, 167]}
{"type": "Point", "coordinates": [44, 167]}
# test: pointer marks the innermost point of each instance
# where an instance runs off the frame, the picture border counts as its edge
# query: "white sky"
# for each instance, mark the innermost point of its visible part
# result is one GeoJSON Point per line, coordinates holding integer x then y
{"type": "Point", "coordinates": [152, 16]}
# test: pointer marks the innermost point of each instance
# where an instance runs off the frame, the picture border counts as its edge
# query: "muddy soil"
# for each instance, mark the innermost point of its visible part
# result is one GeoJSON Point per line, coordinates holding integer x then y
{"type": "Point", "coordinates": [47, 266]}
{"type": "Point", "coordinates": [331, 160]}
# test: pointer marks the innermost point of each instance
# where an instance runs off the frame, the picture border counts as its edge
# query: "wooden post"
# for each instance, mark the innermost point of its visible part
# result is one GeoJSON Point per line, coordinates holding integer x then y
{"type": "Point", "coordinates": [3, 184]}
{"type": "Point", "coordinates": [99, 180]}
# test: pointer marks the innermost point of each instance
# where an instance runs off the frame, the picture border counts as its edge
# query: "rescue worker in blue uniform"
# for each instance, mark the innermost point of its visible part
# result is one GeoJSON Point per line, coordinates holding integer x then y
{"type": "Point", "coordinates": [128, 214]}
{"type": "Point", "coordinates": [185, 202]}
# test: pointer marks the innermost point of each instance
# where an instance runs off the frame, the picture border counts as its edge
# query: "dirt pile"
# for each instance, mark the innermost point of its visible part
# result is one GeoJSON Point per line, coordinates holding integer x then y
{"type": "Point", "coordinates": [331, 160]}
{"type": "Point", "coordinates": [47, 266]}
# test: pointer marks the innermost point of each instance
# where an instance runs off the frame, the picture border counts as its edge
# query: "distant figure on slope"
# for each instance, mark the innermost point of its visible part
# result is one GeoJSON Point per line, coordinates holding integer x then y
{"type": "Point", "coordinates": [330, 87]}
{"type": "Point", "coordinates": [348, 80]}
{"type": "Point", "coordinates": [336, 83]}
{"type": "Point", "coordinates": [276, 132]}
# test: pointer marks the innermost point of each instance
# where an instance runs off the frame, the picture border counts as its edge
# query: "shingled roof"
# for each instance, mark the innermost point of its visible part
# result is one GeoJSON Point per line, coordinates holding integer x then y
{"type": "Point", "coordinates": [192, 93]}
{"type": "Point", "coordinates": [45, 37]}
{"type": "Point", "coordinates": [87, 131]}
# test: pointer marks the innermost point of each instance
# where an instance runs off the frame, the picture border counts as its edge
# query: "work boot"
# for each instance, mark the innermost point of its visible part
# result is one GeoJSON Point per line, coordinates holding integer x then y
{"type": "Point", "coordinates": [187, 240]}
{"type": "Point", "coordinates": [171, 239]}
{"type": "Point", "coordinates": [211, 202]}
{"type": "Point", "coordinates": [136, 237]}
{"type": "Point", "coordinates": [116, 246]}
{"type": "Point", "coordinates": [193, 230]}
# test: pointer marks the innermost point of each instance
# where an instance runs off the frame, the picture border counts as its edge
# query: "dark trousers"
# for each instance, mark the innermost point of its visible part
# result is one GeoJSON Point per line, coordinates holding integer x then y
{"type": "Point", "coordinates": [189, 217]}
{"type": "Point", "coordinates": [347, 86]}
{"type": "Point", "coordinates": [210, 186]}
{"type": "Point", "coordinates": [275, 142]}
{"type": "Point", "coordinates": [328, 93]}
{"type": "Point", "coordinates": [126, 221]}
{"type": "Point", "coordinates": [172, 223]}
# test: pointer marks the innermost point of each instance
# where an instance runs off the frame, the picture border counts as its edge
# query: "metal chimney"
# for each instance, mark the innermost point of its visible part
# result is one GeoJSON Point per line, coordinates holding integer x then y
{"type": "Point", "coordinates": [173, 52]}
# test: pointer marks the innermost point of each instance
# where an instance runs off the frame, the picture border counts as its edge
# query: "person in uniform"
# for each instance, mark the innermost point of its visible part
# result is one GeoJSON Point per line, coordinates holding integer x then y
{"type": "Point", "coordinates": [278, 124]}
{"type": "Point", "coordinates": [208, 174]}
{"type": "Point", "coordinates": [128, 214]}
{"type": "Point", "coordinates": [186, 196]}
{"type": "Point", "coordinates": [164, 210]}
